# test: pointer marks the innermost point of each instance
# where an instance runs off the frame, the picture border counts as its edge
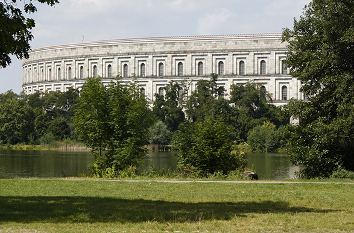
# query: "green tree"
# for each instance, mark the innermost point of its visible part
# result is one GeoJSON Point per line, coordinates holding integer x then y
{"type": "Point", "coordinates": [263, 138]}
{"type": "Point", "coordinates": [114, 123]}
{"type": "Point", "coordinates": [53, 113]}
{"type": "Point", "coordinates": [168, 108]}
{"type": "Point", "coordinates": [59, 128]}
{"type": "Point", "coordinates": [15, 28]}
{"type": "Point", "coordinates": [321, 52]}
{"type": "Point", "coordinates": [159, 134]}
{"type": "Point", "coordinates": [16, 119]}
{"type": "Point", "coordinates": [203, 101]}
{"type": "Point", "coordinates": [129, 121]}
{"type": "Point", "coordinates": [206, 147]}
{"type": "Point", "coordinates": [253, 106]}
{"type": "Point", "coordinates": [91, 116]}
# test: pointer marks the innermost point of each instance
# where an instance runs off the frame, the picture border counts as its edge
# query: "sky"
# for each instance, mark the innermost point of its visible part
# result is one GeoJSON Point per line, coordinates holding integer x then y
{"type": "Point", "coordinates": [75, 21]}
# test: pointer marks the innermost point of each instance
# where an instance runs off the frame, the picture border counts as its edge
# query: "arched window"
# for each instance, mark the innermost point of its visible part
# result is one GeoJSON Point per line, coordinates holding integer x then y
{"type": "Point", "coordinates": [263, 67]}
{"type": "Point", "coordinates": [35, 75]}
{"type": "Point", "coordinates": [161, 91]}
{"type": "Point", "coordinates": [200, 68]}
{"type": "Point", "coordinates": [30, 75]}
{"type": "Point", "coordinates": [241, 68]}
{"type": "Point", "coordinates": [263, 92]}
{"type": "Point", "coordinates": [59, 74]}
{"type": "Point", "coordinates": [284, 93]}
{"type": "Point", "coordinates": [109, 71]}
{"type": "Point", "coordinates": [94, 71]}
{"type": "Point", "coordinates": [180, 69]}
{"type": "Point", "coordinates": [161, 69]}
{"type": "Point", "coordinates": [284, 67]}
{"type": "Point", "coordinates": [142, 70]}
{"type": "Point", "coordinates": [81, 72]}
{"type": "Point", "coordinates": [125, 70]}
{"type": "Point", "coordinates": [221, 68]}
{"type": "Point", "coordinates": [69, 73]}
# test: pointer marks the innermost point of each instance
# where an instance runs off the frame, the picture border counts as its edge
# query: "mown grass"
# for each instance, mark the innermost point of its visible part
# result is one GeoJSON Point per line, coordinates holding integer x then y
{"type": "Point", "coordinates": [89, 205]}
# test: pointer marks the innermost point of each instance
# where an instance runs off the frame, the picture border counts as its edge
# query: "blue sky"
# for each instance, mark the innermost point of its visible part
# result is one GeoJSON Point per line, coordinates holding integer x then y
{"type": "Point", "coordinates": [74, 21]}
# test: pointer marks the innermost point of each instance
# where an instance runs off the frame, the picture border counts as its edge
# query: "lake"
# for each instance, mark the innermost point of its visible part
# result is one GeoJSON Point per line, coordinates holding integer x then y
{"type": "Point", "coordinates": [67, 164]}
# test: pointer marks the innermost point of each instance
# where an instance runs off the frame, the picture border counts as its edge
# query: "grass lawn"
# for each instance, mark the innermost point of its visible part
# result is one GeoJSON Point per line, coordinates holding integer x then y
{"type": "Point", "coordinates": [88, 205]}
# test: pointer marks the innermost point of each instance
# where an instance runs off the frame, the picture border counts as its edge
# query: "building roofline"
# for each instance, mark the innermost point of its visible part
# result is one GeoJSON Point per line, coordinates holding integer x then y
{"type": "Point", "coordinates": [146, 40]}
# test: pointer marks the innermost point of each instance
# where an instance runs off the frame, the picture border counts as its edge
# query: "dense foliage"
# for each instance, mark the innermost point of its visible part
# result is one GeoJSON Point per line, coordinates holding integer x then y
{"type": "Point", "coordinates": [321, 52]}
{"type": "Point", "coordinates": [205, 148]}
{"type": "Point", "coordinates": [15, 28]}
{"type": "Point", "coordinates": [168, 107]}
{"type": "Point", "coordinates": [215, 123]}
{"type": "Point", "coordinates": [36, 118]}
{"type": "Point", "coordinates": [114, 123]}
{"type": "Point", "coordinates": [117, 123]}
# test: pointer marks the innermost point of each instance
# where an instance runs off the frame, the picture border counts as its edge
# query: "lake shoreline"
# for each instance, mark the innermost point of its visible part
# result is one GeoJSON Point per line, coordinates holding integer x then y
{"type": "Point", "coordinates": [55, 147]}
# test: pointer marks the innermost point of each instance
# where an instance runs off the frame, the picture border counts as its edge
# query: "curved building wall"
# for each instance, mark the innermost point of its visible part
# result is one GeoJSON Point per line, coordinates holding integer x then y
{"type": "Point", "coordinates": [154, 62]}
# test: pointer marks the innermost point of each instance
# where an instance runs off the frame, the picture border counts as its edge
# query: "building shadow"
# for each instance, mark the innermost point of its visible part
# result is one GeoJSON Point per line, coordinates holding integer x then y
{"type": "Point", "coordinates": [96, 209]}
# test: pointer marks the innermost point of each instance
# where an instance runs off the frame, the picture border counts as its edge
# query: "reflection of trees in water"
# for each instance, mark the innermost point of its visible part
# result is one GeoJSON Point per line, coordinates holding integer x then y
{"type": "Point", "coordinates": [271, 166]}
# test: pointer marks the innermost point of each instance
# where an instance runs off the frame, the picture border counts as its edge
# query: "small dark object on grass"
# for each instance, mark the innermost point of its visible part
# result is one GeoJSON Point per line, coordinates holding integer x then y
{"type": "Point", "coordinates": [251, 174]}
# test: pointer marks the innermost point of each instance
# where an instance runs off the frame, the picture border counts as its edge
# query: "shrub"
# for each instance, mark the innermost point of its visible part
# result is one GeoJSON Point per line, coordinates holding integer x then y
{"type": "Point", "coordinates": [159, 134]}
{"type": "Point", "coordinates": [206, 147]}
{"type": "Point", "coordinates": [341, 173]}
{"type": "Point", "coordinates": [47, 139]}
{"type": "Point", "coordinates": [263, 138]}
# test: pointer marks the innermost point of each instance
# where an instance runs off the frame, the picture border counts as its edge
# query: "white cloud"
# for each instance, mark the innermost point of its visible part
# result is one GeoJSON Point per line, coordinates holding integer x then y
{"type": "Point", "coordinates": [214, 22]}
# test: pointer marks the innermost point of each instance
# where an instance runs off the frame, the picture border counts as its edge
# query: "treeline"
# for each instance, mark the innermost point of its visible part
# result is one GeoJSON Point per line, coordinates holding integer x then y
{"type": "Point", "coordinates": [245, 108]}
{"type": "Point", "coordinates": [117, 123]}
{"type": "Point", "coordinates": [204, 128]}
{"type": "Point", "coordinates": [37, 118]}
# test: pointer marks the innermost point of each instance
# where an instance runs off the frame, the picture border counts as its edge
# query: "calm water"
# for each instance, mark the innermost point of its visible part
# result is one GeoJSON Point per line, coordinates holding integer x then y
{"type": "Point", "coordinates": [60, 164]}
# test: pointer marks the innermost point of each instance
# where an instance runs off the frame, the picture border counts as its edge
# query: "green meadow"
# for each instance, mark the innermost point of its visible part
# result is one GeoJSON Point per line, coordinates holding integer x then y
{"type": "Point", "coordinates": [90, 205]}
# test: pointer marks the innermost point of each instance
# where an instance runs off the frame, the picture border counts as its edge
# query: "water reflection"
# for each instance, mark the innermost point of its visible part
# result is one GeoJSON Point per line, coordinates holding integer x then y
{"type": "Point", "coordinates": [272, 166]}
{"type": "Point", "coordinates": [61, 164]}
{"type": "Point", "coordinates": [43, 164]}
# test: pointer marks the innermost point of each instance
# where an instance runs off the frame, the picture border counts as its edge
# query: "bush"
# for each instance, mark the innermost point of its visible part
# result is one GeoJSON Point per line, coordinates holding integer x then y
{"type": "Point", "coordinates": [341, 173]}
{"type": "Point", "coordinates": [263, 138]}
{"type": "Point", "coordinates": [206, 148]}
{"type": "Point", "coordinates": [159, 134]}
{"type": "Point", "coordinates": [47, 139]}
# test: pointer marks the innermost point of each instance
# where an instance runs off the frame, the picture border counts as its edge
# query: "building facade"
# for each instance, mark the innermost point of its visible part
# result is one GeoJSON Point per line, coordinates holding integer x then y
{"type": "Point", "coordinates": [154, 62]}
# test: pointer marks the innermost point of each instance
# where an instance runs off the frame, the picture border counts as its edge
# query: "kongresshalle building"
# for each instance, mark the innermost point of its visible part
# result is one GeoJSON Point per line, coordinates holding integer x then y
{"type": "Point", "coordinates": [154, 62]}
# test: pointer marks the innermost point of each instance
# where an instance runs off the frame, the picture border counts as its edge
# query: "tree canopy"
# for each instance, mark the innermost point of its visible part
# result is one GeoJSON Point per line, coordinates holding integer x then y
{"type": "Point", "coordinates": [114, 123]}
{"type": "Point", "coordinates": [15, 28]}
{"type": "Point", "coordinates": [321, 53]}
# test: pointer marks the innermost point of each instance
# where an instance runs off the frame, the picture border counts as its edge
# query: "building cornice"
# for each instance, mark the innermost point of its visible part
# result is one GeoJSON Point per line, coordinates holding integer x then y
{"type": "Point", "coordinates": [171, 39]}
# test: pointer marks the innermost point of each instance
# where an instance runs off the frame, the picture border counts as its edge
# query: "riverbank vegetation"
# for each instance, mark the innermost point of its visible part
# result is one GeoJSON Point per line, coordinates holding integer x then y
{"type": "Point", "coordinates": [87, 205]}
{"type": "Point", "coordinates": [203, 128]}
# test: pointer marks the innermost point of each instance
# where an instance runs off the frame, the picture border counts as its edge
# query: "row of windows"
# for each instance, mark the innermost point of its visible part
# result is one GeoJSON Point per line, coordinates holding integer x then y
{"type": "Point", "coordinates": [200, 68]}
{"type": "Point", "coordinates": [284, 91]}
{"type": "Point", "coordinates": [161, 70]}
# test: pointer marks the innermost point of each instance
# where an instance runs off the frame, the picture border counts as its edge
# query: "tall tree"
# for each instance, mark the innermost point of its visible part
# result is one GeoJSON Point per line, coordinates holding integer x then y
{"type": "Point", "coordinates": [15, 28]}
{"type": "Point", "coordinates": [168, 107]}
{"type": "Point", "coordinates": [321, 54]}
{"type": "Point", "coordinates": [16, 119]}
{"type": "Point", "coordinates": [206, 100]}
{"type": "Point", "coordinates": [114, 123]}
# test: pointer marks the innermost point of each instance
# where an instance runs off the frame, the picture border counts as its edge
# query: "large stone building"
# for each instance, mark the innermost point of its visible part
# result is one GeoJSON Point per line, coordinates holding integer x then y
{"type": "Point", "coordinates": [154, 62]}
